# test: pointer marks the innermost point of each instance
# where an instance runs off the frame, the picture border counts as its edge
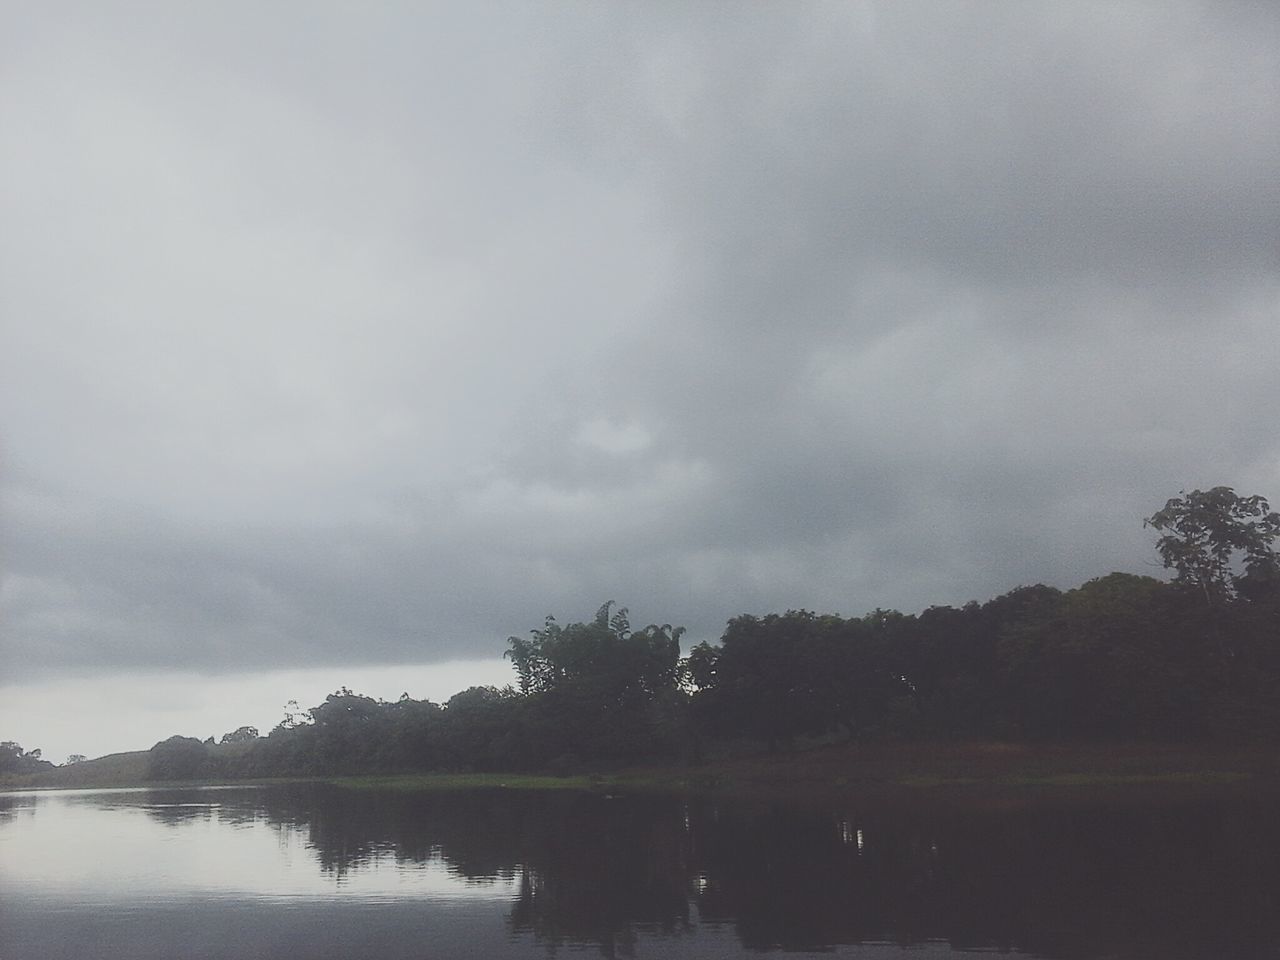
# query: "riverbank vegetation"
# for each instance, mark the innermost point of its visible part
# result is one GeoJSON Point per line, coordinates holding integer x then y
{"type": "Point", "coordinates": [1120, 659]}
{"type": "Point", "coordinates": [903, 769]}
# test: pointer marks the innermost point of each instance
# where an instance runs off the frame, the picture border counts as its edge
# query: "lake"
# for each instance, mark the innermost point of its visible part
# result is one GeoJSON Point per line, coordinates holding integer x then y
{"type": "Point", "coordinates": [317, 871]}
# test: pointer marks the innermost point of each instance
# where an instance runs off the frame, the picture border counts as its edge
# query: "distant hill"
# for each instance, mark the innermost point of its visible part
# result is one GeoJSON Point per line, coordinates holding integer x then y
{"type": "Point", "coordinates": [113, 770]}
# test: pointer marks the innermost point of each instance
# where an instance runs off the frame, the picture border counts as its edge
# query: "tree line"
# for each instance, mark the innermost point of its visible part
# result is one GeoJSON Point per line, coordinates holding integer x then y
{"type": "Point", "coordinates": [1119, 657]}
{"type": "Point", "coordinates": [15, 760]}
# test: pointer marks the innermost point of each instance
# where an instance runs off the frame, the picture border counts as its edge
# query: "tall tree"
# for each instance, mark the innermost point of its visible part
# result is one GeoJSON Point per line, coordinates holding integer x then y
{"type": "Point", "coordinates": [597, 690]}
{"type": "Point", "coordinates": [1222, 547]}
{"type": "Point", "coordinates": [1206, 532]}
{"type": "Point", "coordinates": [781, 676]}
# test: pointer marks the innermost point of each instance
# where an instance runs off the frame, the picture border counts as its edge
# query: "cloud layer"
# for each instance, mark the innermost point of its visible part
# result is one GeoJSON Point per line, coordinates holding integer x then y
{"type": "Point", "coordinates": [372, 337]}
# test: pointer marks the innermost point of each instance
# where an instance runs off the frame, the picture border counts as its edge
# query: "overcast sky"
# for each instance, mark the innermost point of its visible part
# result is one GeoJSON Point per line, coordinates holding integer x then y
{"type": "Point", "coordinates": [340, 338]}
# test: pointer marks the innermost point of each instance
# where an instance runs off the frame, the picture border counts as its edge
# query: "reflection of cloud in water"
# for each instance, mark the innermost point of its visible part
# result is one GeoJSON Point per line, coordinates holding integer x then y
{"type": "Point", "coordinates": [92, 848]}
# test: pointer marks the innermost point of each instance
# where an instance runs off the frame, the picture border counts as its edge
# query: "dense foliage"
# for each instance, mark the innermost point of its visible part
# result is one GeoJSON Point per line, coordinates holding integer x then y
{"type": "Point", "coordinates": [16, 761]}
{"type": "Point", "coordinates": [1206, 532]}
{"type": "Point", "coordinates": [1120, 657]}
{"type": "Point", "coordinates": [592, 695]}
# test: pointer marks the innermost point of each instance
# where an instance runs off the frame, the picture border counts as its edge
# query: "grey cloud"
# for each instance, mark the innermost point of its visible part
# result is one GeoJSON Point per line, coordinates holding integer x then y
{"type": "Point", "coordinates": [336, 339]}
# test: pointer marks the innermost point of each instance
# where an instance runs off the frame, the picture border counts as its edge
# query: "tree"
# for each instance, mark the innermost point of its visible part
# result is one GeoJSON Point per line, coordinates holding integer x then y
{"type": "Point", "coordinates": [178, 758]}
{"type": "Point", "coordinates": [779, 676]}
{"type": "Point", "coordinates": [480, 726]}
{"type": "Point", "coordinates": [1105, 661]}
{"type": "Point", "coordinates": [597, 691]}
{"type": "Point", "coordinates": [75, 758]}
{"type": "Point", "coordinates": [13, 759]}
{"type": "Point", "coordinates": [645, 661]}
{"type": "Point", "coordinates": [294, 717]}
{"type": "Point", "coordinates": [240, 735]}
{"type": "Point", "coordinates": [1221, 546]}
{"type": "Point", "coordinates": [1208, 532]}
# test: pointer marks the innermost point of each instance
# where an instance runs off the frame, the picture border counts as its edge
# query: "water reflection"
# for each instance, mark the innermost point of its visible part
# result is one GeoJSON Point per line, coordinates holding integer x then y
{"type": "Point", "coordinates": [14, 805]}
{"type": "Point", "coordinates": [1135, 879]}
{"type": "Point", "coordinates": [1141, 878]}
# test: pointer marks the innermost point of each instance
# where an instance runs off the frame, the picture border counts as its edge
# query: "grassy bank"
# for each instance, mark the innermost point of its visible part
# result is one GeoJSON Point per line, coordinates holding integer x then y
{"type": "Point", "coordinates": [842, 769]}
{"type": "Point", "coordinates": [472, 781]}
{"type": "Point", "coordinates": [961, 768]}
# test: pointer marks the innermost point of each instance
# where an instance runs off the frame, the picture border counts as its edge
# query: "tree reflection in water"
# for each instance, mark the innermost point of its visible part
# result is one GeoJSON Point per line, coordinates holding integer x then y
{"type": "Point", "coordinates": [1136, 878]}
{"type": "Point", "coordinates": [12, 805]}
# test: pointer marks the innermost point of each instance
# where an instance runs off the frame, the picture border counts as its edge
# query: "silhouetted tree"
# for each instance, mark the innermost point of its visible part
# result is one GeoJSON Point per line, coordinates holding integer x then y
{"type": "Point", "coordinates": [178, 758]}
{"type": "Point", "coordinates": [1205, 531]}
{"type": "Point", "coordinates": [240, 735]}
{"type": "Point", "coordinates": [776, 677]}
{"type": "Point", "coordinates": [13, 759]}
{"type": "Point", "coordinates": [598, 691]}
{"type": "Point", "coordinates": [482, 728]}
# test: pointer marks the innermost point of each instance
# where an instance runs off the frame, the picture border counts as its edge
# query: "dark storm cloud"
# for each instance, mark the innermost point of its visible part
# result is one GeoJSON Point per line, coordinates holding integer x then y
{"type": "Point", "coordinates": [337, 338]}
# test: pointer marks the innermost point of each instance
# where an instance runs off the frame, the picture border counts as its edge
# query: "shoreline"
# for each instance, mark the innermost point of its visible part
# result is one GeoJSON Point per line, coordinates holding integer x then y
{"type": "Point", "coordinates": [962, 768]}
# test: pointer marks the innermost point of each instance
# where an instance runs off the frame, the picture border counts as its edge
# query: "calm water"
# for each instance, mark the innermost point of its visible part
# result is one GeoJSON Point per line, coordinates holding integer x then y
{"type": "Point", "coordinates": [316, 872]}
